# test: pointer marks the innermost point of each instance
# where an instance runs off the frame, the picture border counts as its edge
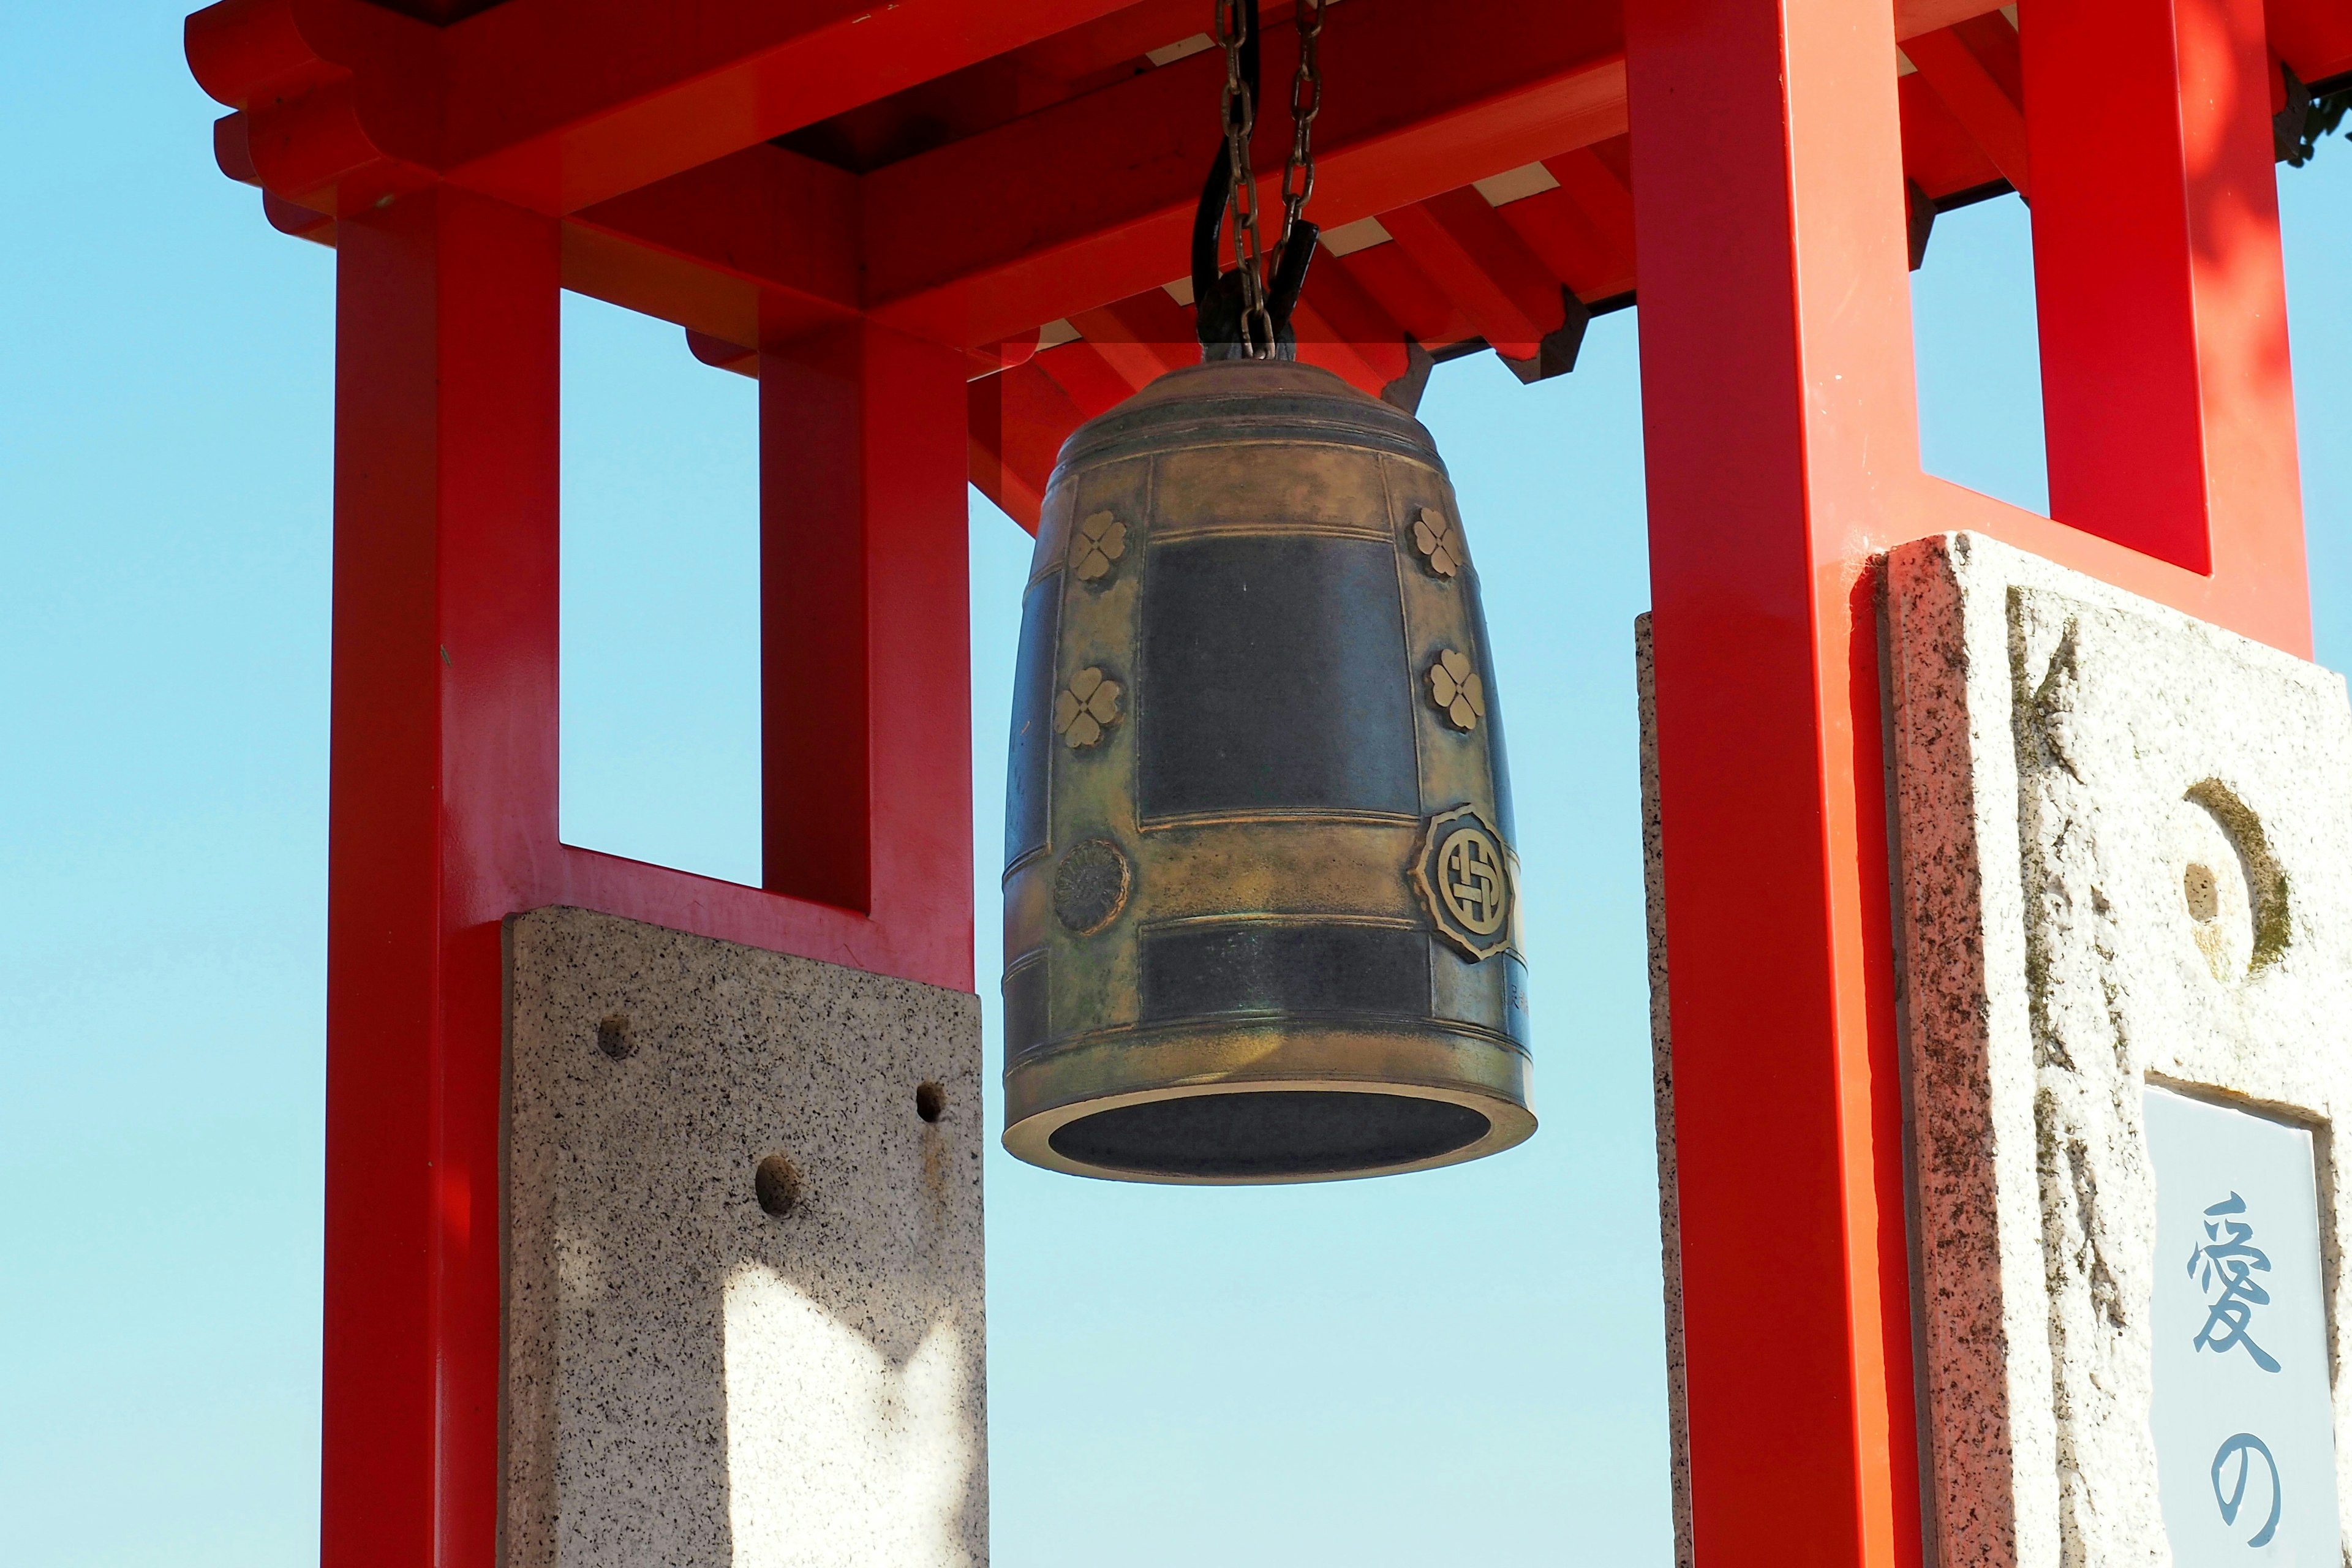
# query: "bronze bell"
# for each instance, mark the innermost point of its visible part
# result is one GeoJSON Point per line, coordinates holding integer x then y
{"type": "Point", "coordinates": [1261, 906]}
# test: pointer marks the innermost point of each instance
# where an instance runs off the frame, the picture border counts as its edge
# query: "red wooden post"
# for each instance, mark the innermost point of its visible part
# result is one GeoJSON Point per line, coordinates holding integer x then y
{"type": "Point", "coordinates": [1783, 453]}
{"type": "Point", "coordinates": [2166, 394]}
{"type": "Point", "coordinates": [865, 635]}
{"type": "Point", "coordinates": [445, 787]}
{"type": "Point", "coordinates": [443, 816]}
{"type": "Point", "coordinates": [1780, 431]}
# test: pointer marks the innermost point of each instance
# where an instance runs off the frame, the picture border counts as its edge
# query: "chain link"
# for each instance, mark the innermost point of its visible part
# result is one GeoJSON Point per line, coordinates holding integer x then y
{"type": "Point", "coordinates": [1239, 109]}
{"type": "Point", "coordinates": [1306, 103]}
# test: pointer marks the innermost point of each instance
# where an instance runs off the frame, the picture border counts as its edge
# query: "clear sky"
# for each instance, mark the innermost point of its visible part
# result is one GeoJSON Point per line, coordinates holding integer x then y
{"type": "Point", "coordinates": [1458, 1366]}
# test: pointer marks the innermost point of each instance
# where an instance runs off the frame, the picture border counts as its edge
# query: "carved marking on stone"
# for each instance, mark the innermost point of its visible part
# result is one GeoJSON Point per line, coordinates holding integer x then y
{"type": "Point", "coordinates": [2124, 863]}
{"type": "Point", "coordinates": [2246, 918]}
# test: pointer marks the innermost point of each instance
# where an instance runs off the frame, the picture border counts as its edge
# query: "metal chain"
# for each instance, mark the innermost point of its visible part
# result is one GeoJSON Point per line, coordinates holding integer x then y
{"type": "Point", "coordinates": [1241, 201]}
{"type": "Point", "coordinates": [1239, 108]}
{"type": "Point", "coordinates": [1306, 103]}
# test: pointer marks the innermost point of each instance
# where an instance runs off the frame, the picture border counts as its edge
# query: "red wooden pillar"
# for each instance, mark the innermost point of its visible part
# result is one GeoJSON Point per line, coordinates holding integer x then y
{"type": "Point", "coordinates": [866, 634]}
{"type": "Point", "coordinates": [445, 778]}
{"type": "Point", "coordinates": [1782, 428]}
{"type": "Point", "coordinates": [2166, 394]}
{"type": "Point", "coordinates": [1780, 432]}
{"type": "Point", "coordinates": [443, 821]}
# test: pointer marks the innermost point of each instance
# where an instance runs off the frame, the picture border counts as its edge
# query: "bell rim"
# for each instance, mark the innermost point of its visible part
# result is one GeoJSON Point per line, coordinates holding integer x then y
{"type": "Point", "coordinates": [1467, 1068]}
{"type": "Point", "coordinates": [1510, 1123]}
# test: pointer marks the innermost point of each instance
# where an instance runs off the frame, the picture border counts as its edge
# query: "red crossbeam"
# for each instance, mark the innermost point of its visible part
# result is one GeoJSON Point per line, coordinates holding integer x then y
{"type": "Point", "coordinates": [556, 104]}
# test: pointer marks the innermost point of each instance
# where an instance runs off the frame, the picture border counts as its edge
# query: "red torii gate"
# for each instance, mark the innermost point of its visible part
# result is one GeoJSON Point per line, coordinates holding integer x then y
{"type": "Point", "coordinates": [884, 210]}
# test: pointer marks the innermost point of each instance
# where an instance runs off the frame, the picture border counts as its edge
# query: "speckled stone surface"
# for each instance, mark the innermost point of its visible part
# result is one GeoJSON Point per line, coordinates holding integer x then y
{"type": "Point", "coordinates": [690, 1379]}
{"type": "Point", "coordinates": [1662, 1079]}
{"type": "Point", "coordinates": [2064, 754]}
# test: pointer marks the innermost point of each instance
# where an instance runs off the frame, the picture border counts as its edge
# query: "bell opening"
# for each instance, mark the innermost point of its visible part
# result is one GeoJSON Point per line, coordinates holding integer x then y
{"type": "Point", "coordinates": [1271, 1135]}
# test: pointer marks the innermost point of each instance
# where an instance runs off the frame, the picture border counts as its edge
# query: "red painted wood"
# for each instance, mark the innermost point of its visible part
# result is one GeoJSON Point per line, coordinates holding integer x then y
{"type": "Point", "coordinates": [2166, 397]}
{"type": "Point", "coordinates": [2314, 36]}
{"type": "Point", "coordinates": [1084, 376]}
{"type": "Point", "coordinates": [1782, 449]}
{"type": "Point", "coordinates": [1338, 312]}
{"type": "Point", "coordinates": [1601, 193]}
{"type": "Point", "coordinates": [1505, 289]}
{"type": "Point", "coordinates": [865, 756]}
{"type": "Point", "coordinates": [1977, 100]}
{"type": "Point", "coordinates": [1778, 409]}
{"type": "Point", "coordinates": [442, 821]}
{"type": "Point", "coordinates": [1409, 296]}
{"type": "Point", "coordinates": [1937, 151]}
{"type": "Point", "coordinates": [1092, 200]}
{"type": "Point", "coordinates": [444, 788]}
{"type": "Point", "coordinates": [1557, 229]}
{"type": "Point", "coordinates": [1141, 337]}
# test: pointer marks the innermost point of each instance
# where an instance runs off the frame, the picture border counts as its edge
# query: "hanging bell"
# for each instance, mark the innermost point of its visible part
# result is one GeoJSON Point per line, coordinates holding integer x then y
{"type": "Point", "coordinates": [1261, 904]}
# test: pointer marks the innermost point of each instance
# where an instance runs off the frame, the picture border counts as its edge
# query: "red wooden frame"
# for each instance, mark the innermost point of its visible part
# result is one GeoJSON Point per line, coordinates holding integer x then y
{"type": "Point", "coordinates": [468, 171]}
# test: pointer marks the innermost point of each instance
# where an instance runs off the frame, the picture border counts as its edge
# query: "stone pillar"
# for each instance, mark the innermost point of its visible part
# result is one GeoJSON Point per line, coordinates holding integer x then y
{"type": "Point", "coordinates": [744, 1316]}
{"type": "Point", "coordinates": [2125, 871]}
{"type": "Point", "coordinates": [2123, 868]}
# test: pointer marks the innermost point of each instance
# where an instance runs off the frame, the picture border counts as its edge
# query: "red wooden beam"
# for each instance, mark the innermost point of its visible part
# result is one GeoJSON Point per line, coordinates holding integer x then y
{"type": "Point", "coordinates": [1472, 254]}
{"type": "Point", "coordinates": [1020, 420]}
{"type": "Point", "coordinates": [2314, 36]}
{"type": "Point", "coordinates": [1967, 88]}
{"type": "Point", "coordinates": [1602, 194]}
{"type": "Point", "coordinates": [558, 104]}
{"type": "Point", "coordinates": [1092, 200]}
{"type": "Point", "coordinates": [1343, 328]}
{"type": "Point", "coordinates": [781, 222]}
{"type": "Point", "coordinates": [1091, 381]}
{"type": "Point", "coordinates": [1937, 151]}
{"type": "Point", "coordinates": [1404, 291]}
{"type": "Point", "coordinates": [1556, 228]}
{"type": "Point", "coordinates": [1141, 337]}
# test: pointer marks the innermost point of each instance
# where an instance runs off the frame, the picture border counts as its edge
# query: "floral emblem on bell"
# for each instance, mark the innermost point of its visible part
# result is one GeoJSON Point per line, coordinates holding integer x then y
{"type": "Point", "coordinates": [1440, 543]}
{"type": "Point", "coordinates": [1456, 689]}
{"type": "Point", "coordinates": [1101, 539]}
{"type": "Point", "coordinates": [1087, 707]}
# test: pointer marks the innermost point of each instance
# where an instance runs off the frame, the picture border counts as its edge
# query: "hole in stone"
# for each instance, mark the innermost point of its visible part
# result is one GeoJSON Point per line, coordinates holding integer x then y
{"type": "Point", "coordinates": [777, 1184]}
{"type": "Point", "coordinates": [613, 1036]}
{"type": "Point", "coordinates": [931, 1101]}
{"type": "Point", "coordinates": [2198, 886]}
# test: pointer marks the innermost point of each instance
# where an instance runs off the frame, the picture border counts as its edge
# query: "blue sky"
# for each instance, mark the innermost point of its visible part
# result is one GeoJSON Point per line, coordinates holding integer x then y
{"type": "Point", "coordinates": [1461, 1365]}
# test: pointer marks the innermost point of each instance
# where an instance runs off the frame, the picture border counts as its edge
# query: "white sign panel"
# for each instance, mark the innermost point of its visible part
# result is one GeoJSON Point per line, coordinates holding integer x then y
{"type": "Point", "coordinates": [2244, 1432]}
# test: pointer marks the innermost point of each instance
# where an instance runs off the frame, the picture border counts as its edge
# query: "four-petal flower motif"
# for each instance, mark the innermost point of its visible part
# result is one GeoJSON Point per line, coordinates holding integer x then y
{"type": "Point", "coordinates": [1101, 539]}
{"type": "Point", "coordinates": [1439, 542]}
{"type": "Point", "coordinates": [1456, 689]}
{"type": "Point", "coordinates": [1086, 706]}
